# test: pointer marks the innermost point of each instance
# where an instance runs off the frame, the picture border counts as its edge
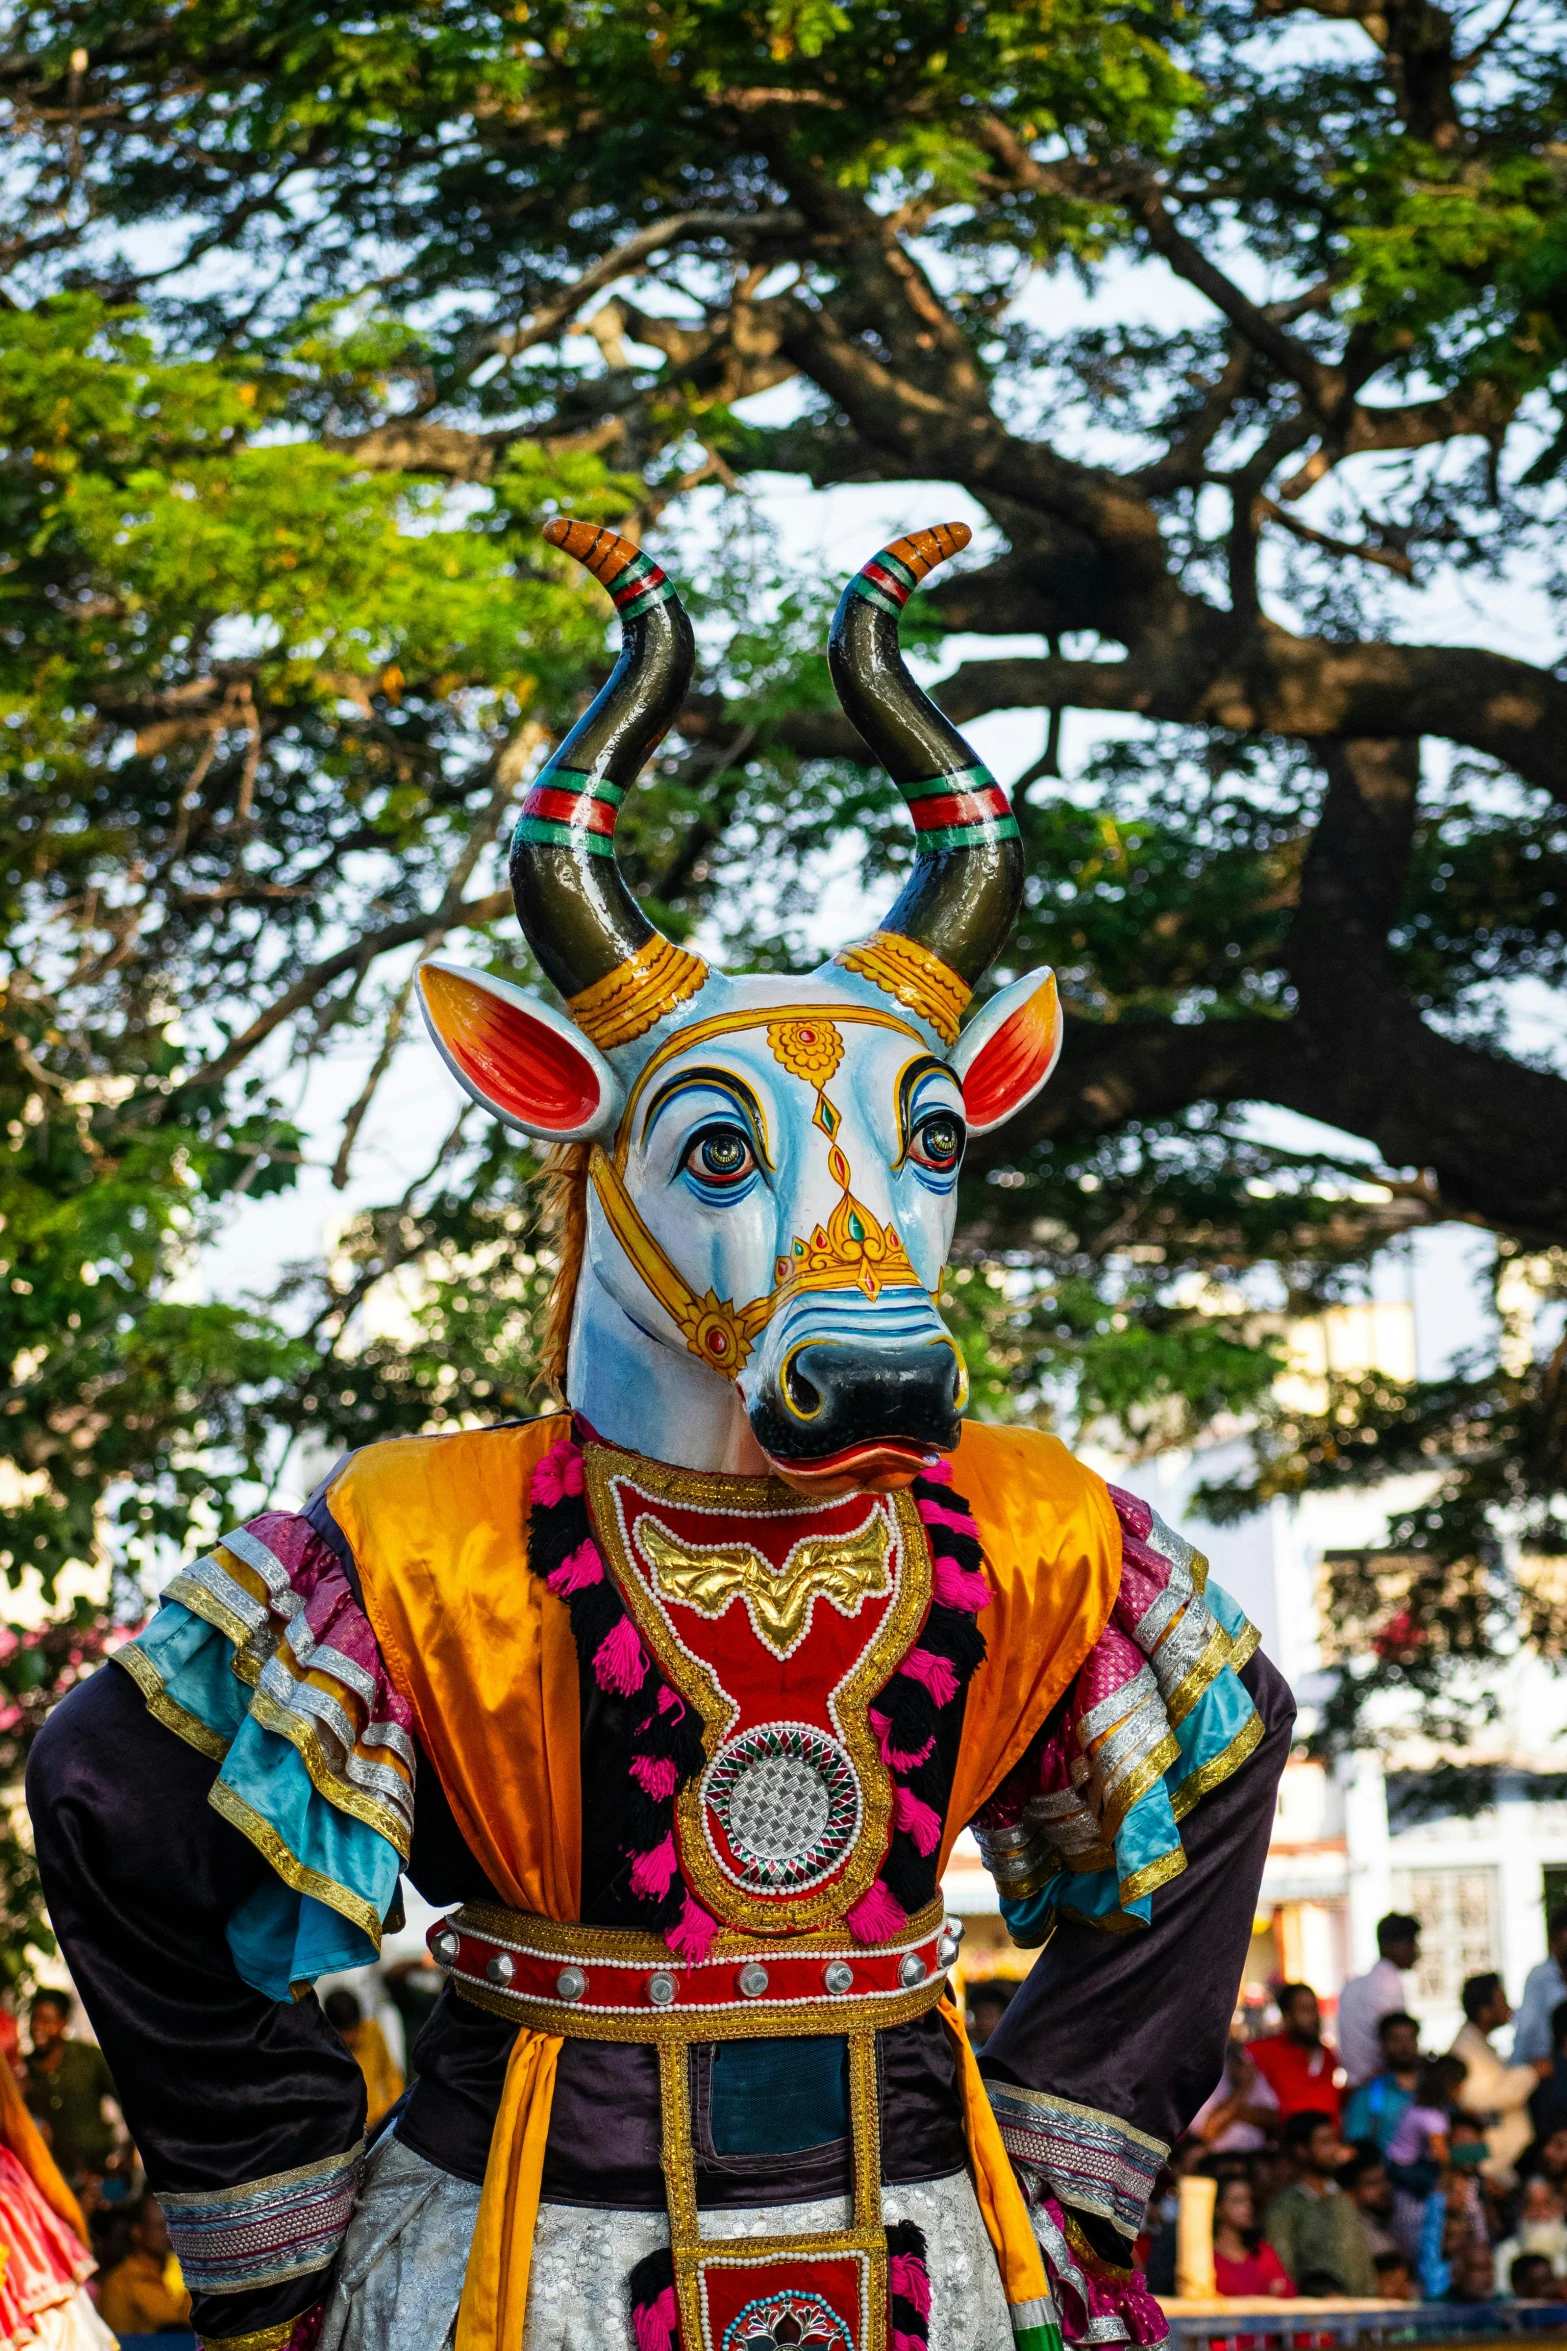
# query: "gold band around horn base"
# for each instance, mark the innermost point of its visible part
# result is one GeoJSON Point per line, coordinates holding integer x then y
{"type": "Point", "coordinates": [629, 1000]}
{"type": "Point", "coordinates": [908, 971]}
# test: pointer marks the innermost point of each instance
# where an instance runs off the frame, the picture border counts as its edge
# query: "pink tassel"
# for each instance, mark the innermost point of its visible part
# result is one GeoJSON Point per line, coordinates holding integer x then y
{"type": "Point", "coordinates": [691, 1936]}
{"type": "Point", "coordinates": [936, 1673]}
{"type": "Point", "coordinates": [620, 1663]}
{"type": "Point", "coordinates": [936, 1514]}
{"type": "Point", "coordinates": [903, 2342]}
{"type": "Point", "coordinates": [656, 1776]}
{"type": "Point", "coordinates": [960, 1587]}
{"type": "Point", "coordinates": [908, 2276]}
{"type": "Point", "coordinates": [652, 1874]}
{"type": "Point", "coordinates": [876, 1917]}
{"type": "Point", "coordinates": [896, 1758]}
{"type": "Point", "coordinates": [937, 1473]}
{"type": "Point", "coordinates": [577, 1570]}
{"type": "Point", "coordinates": [557, 1475]}
{"type": "Point", "coordinates": [655, 2322]}
{"type": "Point", "coordinates": [670, 1702]}
{"type": "Point", "coordinates": [917, 1819]}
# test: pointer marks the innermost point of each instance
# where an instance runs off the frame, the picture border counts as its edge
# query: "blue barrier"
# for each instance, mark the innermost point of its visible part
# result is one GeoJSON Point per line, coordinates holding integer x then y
{"type": "Point", "coordinates": [1328, 2326]}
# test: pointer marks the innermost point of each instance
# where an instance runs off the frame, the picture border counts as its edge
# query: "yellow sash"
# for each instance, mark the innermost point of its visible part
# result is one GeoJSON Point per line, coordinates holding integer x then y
{"type": "Point", "coordinates": [484, 1655]}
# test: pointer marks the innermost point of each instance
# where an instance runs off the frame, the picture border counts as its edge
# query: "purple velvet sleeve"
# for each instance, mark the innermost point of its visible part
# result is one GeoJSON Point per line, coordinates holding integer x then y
{"type": "Point", "coordinates": [1114, 2040]}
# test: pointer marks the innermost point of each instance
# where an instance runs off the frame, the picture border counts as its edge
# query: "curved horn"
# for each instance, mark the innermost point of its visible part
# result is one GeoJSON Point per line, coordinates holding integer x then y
{"type": "Point", "coordinates": [960, 902]}
{"type": "Point", "coordinates": [617, 973]}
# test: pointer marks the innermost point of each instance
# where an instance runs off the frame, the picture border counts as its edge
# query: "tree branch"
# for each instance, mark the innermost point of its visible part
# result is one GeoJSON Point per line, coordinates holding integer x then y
{"type": "Point", "coordinates": [1488, 1131]}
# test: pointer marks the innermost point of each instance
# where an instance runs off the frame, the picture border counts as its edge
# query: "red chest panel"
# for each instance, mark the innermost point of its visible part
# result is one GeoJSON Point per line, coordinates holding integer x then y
{"type": "Point", "coordinates": [778, 1625]}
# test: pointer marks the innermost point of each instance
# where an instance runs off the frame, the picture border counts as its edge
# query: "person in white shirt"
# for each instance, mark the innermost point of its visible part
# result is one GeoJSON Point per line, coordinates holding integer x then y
{"type": "Point", "coordinates": [1367, 1998]}
{"type": "Point", "coordinates": [1543, 1987]}
{"type": "Point", "coordinates": [1496, 2095]}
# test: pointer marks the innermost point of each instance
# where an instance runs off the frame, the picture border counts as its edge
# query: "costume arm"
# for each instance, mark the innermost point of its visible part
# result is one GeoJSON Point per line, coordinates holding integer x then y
{"type": "Point", "coordinates": [1116, 2037]}
{"type": "Point", "coordinates": [247, 2111]}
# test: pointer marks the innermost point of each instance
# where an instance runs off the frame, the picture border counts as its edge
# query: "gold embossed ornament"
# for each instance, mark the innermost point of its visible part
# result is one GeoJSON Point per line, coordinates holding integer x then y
{"type": "Point", "coordinates": [808, 1049]}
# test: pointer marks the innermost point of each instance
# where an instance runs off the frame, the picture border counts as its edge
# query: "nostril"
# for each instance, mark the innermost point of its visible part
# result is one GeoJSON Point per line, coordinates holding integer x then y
{"type": "Point", "coordinates": [802, 1396]}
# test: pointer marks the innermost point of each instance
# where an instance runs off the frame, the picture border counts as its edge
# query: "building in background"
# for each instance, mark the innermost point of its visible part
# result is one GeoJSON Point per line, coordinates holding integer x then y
{"type": "Point", "coordinates": [1475, 1853]}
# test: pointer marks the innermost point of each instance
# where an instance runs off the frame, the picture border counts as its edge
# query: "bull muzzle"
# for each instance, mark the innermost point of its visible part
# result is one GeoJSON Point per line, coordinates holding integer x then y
{"type": "Point", "coordinates": [839, 1417]}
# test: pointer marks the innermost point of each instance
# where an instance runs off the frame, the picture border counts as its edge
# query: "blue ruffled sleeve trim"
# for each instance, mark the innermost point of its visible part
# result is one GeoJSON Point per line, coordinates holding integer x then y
{"type": "Point", "coordinates": [1210, 1742]}
{"type": "Point", "coordinates": [335, 1872]}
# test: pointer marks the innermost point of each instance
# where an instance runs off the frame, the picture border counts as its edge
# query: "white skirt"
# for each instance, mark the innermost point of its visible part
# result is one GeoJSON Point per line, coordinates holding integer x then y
{"type": "Point", "coordinates": [400, 2274]}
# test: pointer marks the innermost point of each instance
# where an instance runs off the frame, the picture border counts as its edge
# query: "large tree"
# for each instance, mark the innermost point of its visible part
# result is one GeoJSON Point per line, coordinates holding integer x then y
{"type": "Point", "coordinates": [293, 368]}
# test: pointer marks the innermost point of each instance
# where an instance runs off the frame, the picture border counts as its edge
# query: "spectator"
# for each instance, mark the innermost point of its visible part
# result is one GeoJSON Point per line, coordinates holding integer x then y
{"type": "Point", "coordinates": [1242, 2114]}
{"type": "Point", "coordinates": [1164, 2210]}
{"type": "Point", "coordinates": [1243, 2260]}
{"type": "Point", "coordinates": [1497, 2095]}
{"type": "Point", "coordinates": [1367, 1999]}
{"type": "Point", "coordinates": [1532, 2279]}
{"type": "Point", "coordinates": [1314, 2227]}
{"type": "Point", "coordinates": [988, 2002]}
{"type": "Point", "coordinates": [1548, 2104]}
{"type": "Point", "coordinates": [1541, 2229]}
{"type": "Point", "coordinates": [413, 1986]}
{"type": "Point", "coordinates": [1366, 2179]}
{"type": "Point", "coordinates": [1544, 1988]}
{"type": "Point", "coordinates": [383, 2082]}
{"type": "Point", "coordinates": [1550, 2157]}
{"type": "Point", "coordinates": [1419, 2150]}
{"type": "Point", "coordinates": [1472, 2274]}
{"type": "Point", "coordinates": [1296, 2063]}
{"type": "Point", "coordinates": [1378, 2106]}
{"type": "Point", "coordinates": [1395, 2278]}
{"type": "Point", "coordinates": [144, 2294]}
{"type": "Point", "coordinates": [65, 2085]}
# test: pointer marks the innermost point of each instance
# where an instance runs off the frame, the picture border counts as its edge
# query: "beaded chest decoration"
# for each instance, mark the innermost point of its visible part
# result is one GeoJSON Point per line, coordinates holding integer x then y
{"type": "Point", "coordinates": [778, 1622]}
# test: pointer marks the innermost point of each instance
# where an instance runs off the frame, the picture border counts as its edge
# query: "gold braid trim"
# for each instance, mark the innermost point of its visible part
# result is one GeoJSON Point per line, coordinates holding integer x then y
{"type": "Point", "coordinates": [294, 1873]}
{"type": "Point", "coordinates": [273, 2338]}
{"type": "Point", "coordinates": [629, 1000]}
{"type": "Point", "coordinates": [903, 968]}
{"type": "Point", "coordinates": [1217, 1769]}
{"type": "Point", "coordinates": [165, 1709]}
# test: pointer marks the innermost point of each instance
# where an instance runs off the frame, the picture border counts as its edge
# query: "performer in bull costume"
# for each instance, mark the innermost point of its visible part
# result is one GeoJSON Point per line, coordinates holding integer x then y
{"type": "Point", "coordinates": [678, 1698]}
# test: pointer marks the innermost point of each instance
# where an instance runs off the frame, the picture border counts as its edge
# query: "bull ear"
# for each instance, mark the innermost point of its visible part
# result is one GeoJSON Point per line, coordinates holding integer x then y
{"type": "Point", "coordinates": [1008, 1050]}
{"type": "Point", "coordinates": [516, 1056]}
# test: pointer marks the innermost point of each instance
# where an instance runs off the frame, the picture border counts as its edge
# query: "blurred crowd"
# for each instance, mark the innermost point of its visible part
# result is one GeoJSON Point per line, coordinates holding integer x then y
{"type": "Point", "coordinates": [1376, 2167]}
{"type": "Point", "coordinates": [73, 2195]}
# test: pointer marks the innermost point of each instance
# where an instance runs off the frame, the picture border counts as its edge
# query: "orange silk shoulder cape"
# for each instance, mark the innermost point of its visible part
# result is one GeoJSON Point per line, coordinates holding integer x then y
{"type": "Point", "coordinates": [483, 1652]}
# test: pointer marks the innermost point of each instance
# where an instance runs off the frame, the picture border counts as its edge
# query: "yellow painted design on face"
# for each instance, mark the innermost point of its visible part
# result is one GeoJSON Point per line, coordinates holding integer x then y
{"type": "Point", "coordinates": [807, 1049]}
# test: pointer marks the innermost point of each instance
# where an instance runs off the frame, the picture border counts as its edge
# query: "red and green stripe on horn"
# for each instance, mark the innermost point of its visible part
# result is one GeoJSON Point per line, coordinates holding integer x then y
{"type": "Point", "coordinates": [965, 807]}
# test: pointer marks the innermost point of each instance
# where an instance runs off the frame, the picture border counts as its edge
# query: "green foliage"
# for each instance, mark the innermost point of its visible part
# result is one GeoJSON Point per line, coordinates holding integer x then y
{"type": "Point", "coordinates": [288, 382]}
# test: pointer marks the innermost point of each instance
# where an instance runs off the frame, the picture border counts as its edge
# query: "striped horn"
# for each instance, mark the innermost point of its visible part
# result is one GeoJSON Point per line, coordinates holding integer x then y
{"type": "Point", "coordinates": [959, 904]}
{"type": "Point", "coordinates": [616, 972]}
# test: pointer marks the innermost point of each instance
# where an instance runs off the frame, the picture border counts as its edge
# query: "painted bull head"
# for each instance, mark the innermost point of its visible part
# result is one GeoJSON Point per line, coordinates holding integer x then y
{"type": "Point", "coordinates": [763, 1171]}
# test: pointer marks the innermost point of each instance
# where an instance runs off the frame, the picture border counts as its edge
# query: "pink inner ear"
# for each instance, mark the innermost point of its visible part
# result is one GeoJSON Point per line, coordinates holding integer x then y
{"type": "Point", "coordinates": [522, 1065]}
{"type": "Point", "coordinates": [1009, 1065]}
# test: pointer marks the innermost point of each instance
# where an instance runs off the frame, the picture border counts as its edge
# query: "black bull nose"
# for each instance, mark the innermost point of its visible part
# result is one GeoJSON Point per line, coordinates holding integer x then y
{"type": "Point", "coordinates": [829, 1395]}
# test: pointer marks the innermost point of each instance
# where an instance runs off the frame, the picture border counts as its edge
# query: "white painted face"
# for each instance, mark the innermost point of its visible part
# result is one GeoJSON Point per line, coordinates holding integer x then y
{"type": "Point", "coordinates": [798, 1153]}
{"type": "Point", "coordinates": [772, 1189]}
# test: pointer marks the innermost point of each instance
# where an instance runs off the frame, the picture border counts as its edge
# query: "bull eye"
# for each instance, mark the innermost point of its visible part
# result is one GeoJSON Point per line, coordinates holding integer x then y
{"type": "Point", "coordinates": [720, 1156]}
{"type": "Point", "coordinates": [937, 1141]}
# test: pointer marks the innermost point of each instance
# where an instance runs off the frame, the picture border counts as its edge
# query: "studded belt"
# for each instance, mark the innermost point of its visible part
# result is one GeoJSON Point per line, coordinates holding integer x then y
{"type": "Point", "coordinates": [604, 1984]}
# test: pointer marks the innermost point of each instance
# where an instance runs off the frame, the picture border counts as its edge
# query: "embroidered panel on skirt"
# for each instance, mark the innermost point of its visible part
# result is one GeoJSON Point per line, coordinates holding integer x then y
{"type": "Point", "coordinates": [400, 2277]}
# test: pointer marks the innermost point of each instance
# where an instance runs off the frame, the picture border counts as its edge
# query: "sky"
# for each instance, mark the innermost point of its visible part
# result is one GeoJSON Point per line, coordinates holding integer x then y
{"type": "Point", "coordinates": [1442, 1274]}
